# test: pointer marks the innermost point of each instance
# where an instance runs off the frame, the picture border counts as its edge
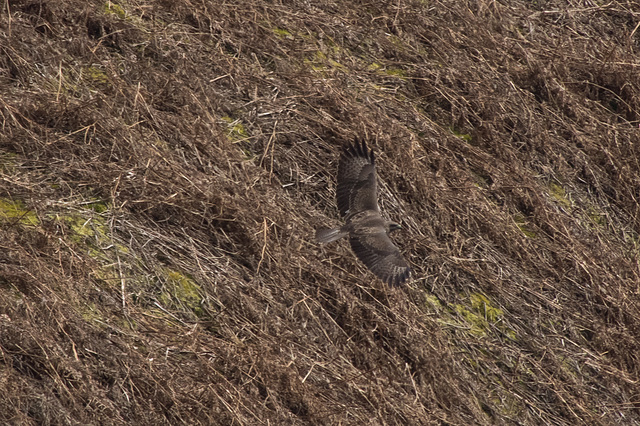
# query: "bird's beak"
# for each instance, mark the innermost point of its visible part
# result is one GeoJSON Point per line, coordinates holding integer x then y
{"type": "Point", "coordinates": [394, 227]}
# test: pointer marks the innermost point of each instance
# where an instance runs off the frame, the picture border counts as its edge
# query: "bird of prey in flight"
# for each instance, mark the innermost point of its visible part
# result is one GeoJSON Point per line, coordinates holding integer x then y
{"type": "Point", "coordinates": [357, 196]}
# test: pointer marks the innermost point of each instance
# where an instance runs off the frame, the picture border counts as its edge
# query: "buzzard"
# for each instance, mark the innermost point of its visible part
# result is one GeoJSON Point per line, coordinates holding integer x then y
{"type": "Point", "coordinates": [357, 196]}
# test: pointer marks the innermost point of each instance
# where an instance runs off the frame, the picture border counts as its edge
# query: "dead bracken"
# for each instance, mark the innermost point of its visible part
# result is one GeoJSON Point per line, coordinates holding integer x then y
{"type": "Point", "coordinates": [163, 166]}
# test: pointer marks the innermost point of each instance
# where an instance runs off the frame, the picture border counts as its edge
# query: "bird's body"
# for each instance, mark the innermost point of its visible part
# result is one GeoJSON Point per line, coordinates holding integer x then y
{"type": "Point", "coordinates": [357, 197]}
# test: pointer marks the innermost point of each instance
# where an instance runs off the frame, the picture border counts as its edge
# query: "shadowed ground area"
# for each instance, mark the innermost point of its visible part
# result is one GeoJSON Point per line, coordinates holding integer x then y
{"type": "Point", "coordinates": [164, 166]}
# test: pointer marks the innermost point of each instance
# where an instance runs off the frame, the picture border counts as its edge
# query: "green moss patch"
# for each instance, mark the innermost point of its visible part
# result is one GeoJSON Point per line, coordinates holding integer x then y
{"type": "Point", "coordinates": [115, 9]}
{"type": "Point", "coordinates": [558, 193]}
{"type": "Point", "coordinates": [481, 316]}
{"type": "Point", "coordinates": [14, 211]}
{"type": "Point", "coordinates": [523, 224]}
{"type": "Point", "coordinates": [235, 129]}
{"type": "Point", "coordinates": [180, 291]}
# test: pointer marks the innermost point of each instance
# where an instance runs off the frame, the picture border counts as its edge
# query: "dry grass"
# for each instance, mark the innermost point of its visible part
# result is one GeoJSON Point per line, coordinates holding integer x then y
{"type": "Point", "coordinates": [163, 166]}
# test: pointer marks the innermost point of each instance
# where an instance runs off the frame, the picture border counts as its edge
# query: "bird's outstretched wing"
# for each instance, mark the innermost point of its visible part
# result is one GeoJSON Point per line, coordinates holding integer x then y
{"type": "Point", "coordinates": [381, 256]}
{"type": "Point", "coordinates": [357, 186]}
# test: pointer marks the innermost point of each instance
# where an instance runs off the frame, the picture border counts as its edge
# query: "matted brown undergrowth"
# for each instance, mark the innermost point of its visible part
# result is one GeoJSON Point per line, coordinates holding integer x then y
{"type": "Point", "coordinates": [163, 166]}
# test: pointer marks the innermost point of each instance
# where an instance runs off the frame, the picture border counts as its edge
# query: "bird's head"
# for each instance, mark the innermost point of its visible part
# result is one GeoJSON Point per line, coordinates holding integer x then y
{"type": "Point", "coordinates": [392, 226]}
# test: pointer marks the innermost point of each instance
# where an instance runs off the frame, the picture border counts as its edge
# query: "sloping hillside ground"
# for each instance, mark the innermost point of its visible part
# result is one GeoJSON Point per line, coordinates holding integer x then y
{"type": "Point", "coordinates": [164, 164]}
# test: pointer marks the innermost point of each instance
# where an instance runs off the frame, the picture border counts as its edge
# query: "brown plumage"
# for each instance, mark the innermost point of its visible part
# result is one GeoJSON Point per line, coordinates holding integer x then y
{"type": "Point", "coordinates": [357, 196]}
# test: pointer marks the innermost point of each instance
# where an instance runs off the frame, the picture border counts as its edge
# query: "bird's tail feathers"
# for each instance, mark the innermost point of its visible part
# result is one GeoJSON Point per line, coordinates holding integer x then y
{"type": "Point", "coordinates": [325, 235]}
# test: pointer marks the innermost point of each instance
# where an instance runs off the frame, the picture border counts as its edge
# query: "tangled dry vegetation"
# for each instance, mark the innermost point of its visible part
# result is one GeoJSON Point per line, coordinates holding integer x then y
{"type": "Point", "coordinates": [163, 165]}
